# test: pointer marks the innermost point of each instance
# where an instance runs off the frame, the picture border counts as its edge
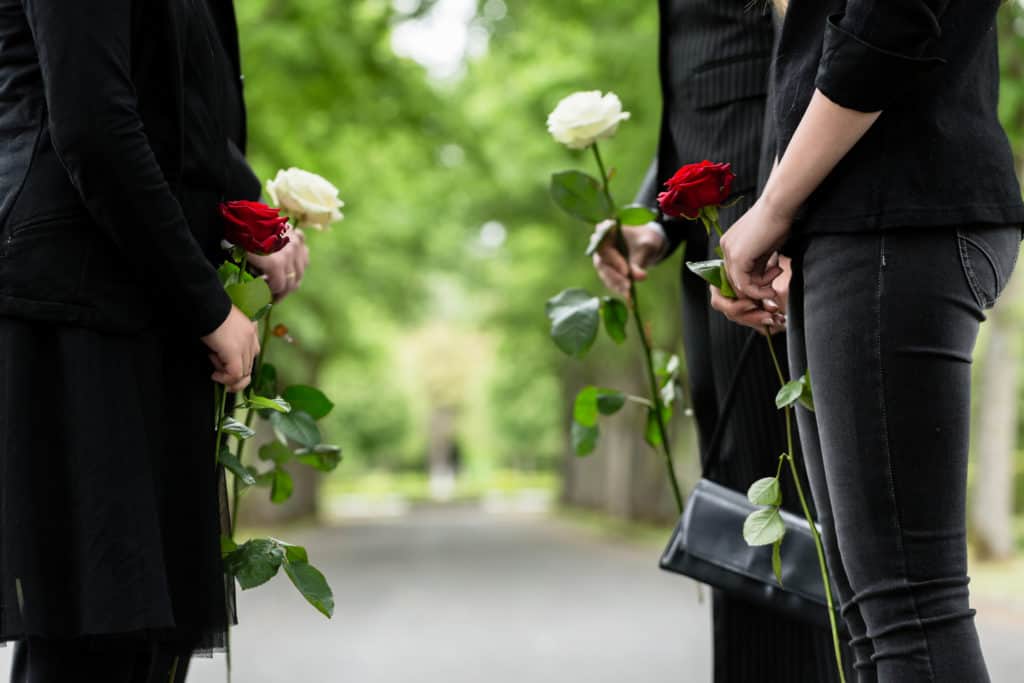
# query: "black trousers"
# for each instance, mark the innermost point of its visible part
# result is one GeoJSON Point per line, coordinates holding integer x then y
{"type": "Point", "coordinates": [751, 643]}
{"type": "Point", "coordinates": [110, 660]}
{"type": "Point", "coordinates": [887, 324]}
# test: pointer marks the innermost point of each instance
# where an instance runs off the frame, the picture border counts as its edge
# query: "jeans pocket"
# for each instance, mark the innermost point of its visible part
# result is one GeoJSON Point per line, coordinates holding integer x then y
{"type": "Point", "coordinates": [988, 255]}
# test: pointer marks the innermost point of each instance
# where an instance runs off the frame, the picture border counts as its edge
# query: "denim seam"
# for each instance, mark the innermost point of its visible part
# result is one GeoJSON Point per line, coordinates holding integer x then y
{"type": "Point", "coordinates": [888, 451]}
{"type": "Point", "coordinates": [972, 277]}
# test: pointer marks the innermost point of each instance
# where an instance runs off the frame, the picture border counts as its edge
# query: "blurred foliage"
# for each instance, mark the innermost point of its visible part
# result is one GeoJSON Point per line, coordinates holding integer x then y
{"type": "Point", "coordinates": [449, 234]}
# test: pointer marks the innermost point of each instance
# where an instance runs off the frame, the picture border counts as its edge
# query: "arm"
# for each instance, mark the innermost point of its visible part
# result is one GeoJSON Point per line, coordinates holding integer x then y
{"type": "Point", "coordinates": [750, 244]}
{"type": "Point", "coordinates": [84, 51]}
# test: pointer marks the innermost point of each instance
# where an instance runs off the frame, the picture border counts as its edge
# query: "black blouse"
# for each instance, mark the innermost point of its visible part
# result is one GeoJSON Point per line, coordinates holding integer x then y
{"type": "Point", "coordinates": [938, 154]}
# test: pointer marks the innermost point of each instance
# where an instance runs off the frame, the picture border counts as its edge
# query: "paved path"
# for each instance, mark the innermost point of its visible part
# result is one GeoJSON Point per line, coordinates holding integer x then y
{"type": "Point", "coordinates": [460, 596]}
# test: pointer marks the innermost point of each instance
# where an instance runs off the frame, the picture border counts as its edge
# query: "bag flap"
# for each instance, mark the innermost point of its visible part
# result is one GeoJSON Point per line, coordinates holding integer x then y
{"type": "Point", "coordinates": [711, 529]}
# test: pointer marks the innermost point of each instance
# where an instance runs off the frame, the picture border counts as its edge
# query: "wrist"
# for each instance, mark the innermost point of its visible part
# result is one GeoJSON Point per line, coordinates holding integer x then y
{"type": "Point", "coordinates": [779, 203]}
{"type": "Point", "coordinates": [655, 243]}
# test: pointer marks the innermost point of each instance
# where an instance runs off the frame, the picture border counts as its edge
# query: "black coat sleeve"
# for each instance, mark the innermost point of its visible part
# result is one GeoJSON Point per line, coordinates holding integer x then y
{"type": "Point", "coordinates": [875, 48]}
{"type": "Point", "coordinates": [242, 180]}
{"type": "Point", "coordinates": [84, 50]}
{"type": "Point", "coordinates": [647, 195]}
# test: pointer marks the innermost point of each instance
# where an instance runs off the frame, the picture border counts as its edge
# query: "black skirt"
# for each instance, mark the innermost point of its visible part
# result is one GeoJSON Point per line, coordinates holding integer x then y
{"type": "Point", "coordinates": [109, 492]}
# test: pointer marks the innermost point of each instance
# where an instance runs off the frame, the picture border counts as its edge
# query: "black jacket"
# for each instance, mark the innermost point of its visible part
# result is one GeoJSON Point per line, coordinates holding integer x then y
{"type": "Point", "coordinates": [714, 59]}
{"type": "Point", "coordinates": [937, 155]}
{"type": "Point", "coordinates": [91, 227]}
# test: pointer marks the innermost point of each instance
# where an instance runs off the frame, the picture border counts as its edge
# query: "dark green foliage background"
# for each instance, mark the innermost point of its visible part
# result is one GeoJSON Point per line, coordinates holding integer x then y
{"type": "Point", "coordinates": [326, 92]}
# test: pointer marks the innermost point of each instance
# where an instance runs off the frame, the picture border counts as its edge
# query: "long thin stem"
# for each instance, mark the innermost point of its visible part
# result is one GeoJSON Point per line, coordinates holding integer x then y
{"type": "Point", "coordinates": [250, 415]}
{"type": "Point", "coordinates": [220, 394]}
{"type": "Point", "coordinates": [641, 329]}
{"type": "Point", "coordinates": [818, 545]}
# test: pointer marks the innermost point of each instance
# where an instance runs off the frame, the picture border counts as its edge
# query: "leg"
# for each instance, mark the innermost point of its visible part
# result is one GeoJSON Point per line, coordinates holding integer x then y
{"type": "Point", "coordinates": [890, 325]}
{"type": "Point", "coordinates": [45, 660]}
{"type": "Point", "coordinates": [857, 657]}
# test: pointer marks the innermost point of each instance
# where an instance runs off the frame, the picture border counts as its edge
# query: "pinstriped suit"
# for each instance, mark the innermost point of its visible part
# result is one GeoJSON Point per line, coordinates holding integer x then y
{"type": "Point", "coordinates": [715, 57]}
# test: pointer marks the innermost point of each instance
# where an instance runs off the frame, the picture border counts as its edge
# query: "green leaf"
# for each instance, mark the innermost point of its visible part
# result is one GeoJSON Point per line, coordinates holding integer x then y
{"type": "Point", "coordinates": [584, 438]}
{"type": "Point", "coordinates": [234, 465]}
{"type": "Point", "coordinates": [713, 272]}
{"type": "Point", "coordinates": [297, 426]}
{"type": "Point", "coordinates": [227, 546]}
{"type": "Point", "coordinates": [777, 560]}
{"type": "Point", "coordinates": [726, 286]}
{"type": "Point", "coordinates": [323, 457]}
{"type": "Point", "coordinates": [666, 365]}
{"type": "Point", "coordinates": [600, 232]}
{"type": "Point", "coordinates": [275, 452]}
{"type": "Point", "coordinates": [637, 214]}
{"type": "Point", "coordinates": [764, 527]}
{"type": "Point", "coordinates": [236, 428]}
{"type": "Point", "coordinates": [709, 271]}
{"type": "Point", "coordinates": [584, 410]}
{"type": "Point", "coordinates": [807, 395]}
{"type": "Point", "coordinates": [309, 400]}
{"type": "Point", "coordinates": [265, 382]}
{"type": "Point", "coordinates": [591, 401]}
{"type": "Point", "coordinates": [580, 196]}
{"type": "Point", "coordinates": [282, 486]}
{"type": "Point", "coordinates": [652, 434]}
{"type": "Point", "coordinates": [255, 562]}
{"type": "Point", "coordinates": [250, 296]}
{"type": "Point", "coordinates": [789, 394]}
{"type": "Point", "coordinates": [293, 553]}
{"type": "Point", "coordinates": [276, 404]}
{"type": "Point", "coordinates": [616, 317]}
{"type": "Point", "coordinates": [672, 366]}
{"type": "Point", "coordinates": [668, 393]}
{"type": "Point", "coordinates": [765, 492]}
{"type": "Point", "coordinates": [610, 401]}
{"type": "Point", "coordinates": [262, 313]}
{"type": "Point", "coordinates": [575, 317]}
{"type": "Point", "coordinates": [228, 273]}
{"type": "Point", "coordinates": [312, 585]}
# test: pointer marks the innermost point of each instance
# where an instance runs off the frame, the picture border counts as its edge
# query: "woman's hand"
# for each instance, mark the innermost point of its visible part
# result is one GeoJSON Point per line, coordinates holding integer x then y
{"type": "Point", "coordinates": [765, 315]}
{"type": "Point", "coordinates": [749, 248]}
{"type": "Point", "coordinates": [645, 243]}
{"type": "Point", "coordinates": [283, 270]}
{"type": "Point", "coordinates": [235, 345]}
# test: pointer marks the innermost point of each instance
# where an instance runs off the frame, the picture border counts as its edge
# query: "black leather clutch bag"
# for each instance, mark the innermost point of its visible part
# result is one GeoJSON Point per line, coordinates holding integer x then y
{"type": "Point", "coordinates": [708, 546]}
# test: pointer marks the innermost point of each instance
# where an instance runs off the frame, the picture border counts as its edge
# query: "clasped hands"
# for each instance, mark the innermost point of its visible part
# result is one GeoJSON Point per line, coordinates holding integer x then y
{"type": "Point", "coordinates": [759, 274]}
{"type": "Point", "coordinates": [235, 344]}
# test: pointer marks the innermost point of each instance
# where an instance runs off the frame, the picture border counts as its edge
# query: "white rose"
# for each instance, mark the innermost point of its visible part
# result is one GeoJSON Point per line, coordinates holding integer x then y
{"type": "Point", "coordinates": [307, 197]}
{"type": "Point", "coordinates": [583, 118]}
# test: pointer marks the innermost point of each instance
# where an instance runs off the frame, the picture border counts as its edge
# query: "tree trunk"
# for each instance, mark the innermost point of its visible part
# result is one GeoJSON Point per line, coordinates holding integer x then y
{"type": "Point", "coordinates": [996, 442]}
{"type": "Point", "coordinates": [441, 448]}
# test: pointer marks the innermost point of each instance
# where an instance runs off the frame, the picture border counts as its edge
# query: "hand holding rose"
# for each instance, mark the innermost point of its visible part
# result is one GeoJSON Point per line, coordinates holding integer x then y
{"type": "Point", "coordinates": [284, 269]}
{"type": "Point", "coordinates": [750, 250]}
{"type": "Point", "coordinates": [645, 242]}
{"type": "Point", "coordinates": [234, 345]}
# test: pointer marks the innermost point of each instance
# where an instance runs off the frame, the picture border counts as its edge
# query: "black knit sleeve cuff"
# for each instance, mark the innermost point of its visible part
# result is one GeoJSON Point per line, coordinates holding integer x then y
{"type": "Point", "coordinates": [857, 75]}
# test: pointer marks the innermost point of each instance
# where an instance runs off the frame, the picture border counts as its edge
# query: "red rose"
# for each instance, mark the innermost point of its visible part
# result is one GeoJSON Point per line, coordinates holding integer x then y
{"type": "Point", "coordinates": [254, 226]}
{"type": "Point", "coordinates": [695, 186]}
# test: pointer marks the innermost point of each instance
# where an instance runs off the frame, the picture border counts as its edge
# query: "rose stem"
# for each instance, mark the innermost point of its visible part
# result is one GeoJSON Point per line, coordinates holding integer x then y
{"type": "Point", "coordinates": [249, 417]}
{"type": "Point", "coordinates": [807, 513]}
{"type": "Point", "coordinates": [623, 247]}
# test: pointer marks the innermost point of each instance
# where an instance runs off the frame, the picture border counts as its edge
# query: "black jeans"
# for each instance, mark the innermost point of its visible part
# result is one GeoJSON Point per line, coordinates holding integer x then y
{"type": "Point", "coordinates": [887, 324]}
